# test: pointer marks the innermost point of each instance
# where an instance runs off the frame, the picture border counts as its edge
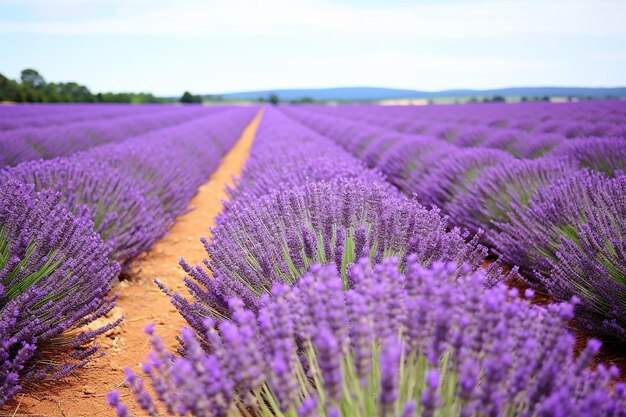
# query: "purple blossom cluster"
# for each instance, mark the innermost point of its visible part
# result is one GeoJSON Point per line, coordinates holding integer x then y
{"type": "Point", "coordinates": [429, 341]}
{"type": "Point", "coordinates": [490, 168]}
{"type": "Point", "coordinates": [55, 273]}
{"type": "Point", "coordinates": [69, 223]}
{"type": "Point", "coordinates": [499, 188]}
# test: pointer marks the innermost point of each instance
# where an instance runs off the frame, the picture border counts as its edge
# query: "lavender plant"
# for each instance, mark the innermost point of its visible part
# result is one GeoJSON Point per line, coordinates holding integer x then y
{"type": "Point", "coordinates": [602, 155]}
{"type": "Point", "coordinates": [427, 342]}
{"type": "Point", "coordinates": [539, 145]}
{"type": "Point", "coordinates": [451, 179]}
{"type": "Point", "coordinates": [572, 240]}
{"type": "Point", "coordinates": [275, 162]}
{"type": "Point", "coordinates": [490, 198]}
{"type": "Point", "coordinates": [122, 214]}
{"type": "Point", "coordinates": [508, 140]}
{"type": "Point", "coordinates": [55, 273]}
{"type": "Point", "coordinates": [409, 161]}
{"type": "Point", "coordinates": [275, 238]}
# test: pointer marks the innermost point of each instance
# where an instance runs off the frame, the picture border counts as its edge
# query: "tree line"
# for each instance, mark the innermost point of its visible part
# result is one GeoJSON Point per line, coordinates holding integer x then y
{"type": "Point", "coordinates": [33, 88]}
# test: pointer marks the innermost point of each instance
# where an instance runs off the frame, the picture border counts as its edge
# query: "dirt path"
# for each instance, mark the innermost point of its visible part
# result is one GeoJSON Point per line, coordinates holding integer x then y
{"type": "Point", "coordinates": [141, 302]}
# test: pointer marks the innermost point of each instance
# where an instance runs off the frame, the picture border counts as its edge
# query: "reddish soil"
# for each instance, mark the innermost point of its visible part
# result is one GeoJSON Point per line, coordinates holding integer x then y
{"type": "Point", "coordinates": [140, 302]}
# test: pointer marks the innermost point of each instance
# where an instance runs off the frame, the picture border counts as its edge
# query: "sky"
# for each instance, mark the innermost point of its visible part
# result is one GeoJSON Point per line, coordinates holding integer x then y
{"type": "Point", "coordinates": [208, 46]}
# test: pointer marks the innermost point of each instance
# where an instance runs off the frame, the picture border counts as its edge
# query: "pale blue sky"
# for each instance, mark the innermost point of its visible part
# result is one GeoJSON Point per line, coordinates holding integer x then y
{"type": "Point", "coordinates": [209, 46]}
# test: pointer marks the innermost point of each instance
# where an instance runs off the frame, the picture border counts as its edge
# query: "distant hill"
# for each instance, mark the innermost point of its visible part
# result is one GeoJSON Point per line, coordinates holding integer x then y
{"type": "Point", "coordinates": [375, 93]}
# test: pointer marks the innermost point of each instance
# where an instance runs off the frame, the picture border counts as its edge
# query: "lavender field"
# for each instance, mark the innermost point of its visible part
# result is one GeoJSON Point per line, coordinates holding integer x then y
{"type": "Point", "coordinates": [446, 260]}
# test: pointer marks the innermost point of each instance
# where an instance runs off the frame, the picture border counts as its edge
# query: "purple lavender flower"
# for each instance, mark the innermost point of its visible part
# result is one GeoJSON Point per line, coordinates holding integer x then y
{"type": "Point", "coordinates": [573, 236]}
{"type": "Point", "coordinates": [513, 357]}
{"type": "Point", "coordinates": [454, 175]}
{"type": "Point", "coordinates": [113, 398]}
{"type": "Point", "coordinates": [275, 163]}
{"type": "Point", "coordinates": [503, 186]}
{"type": "Point", "coordinates": [601, 155]}
{"type": "Point", "coordinates": [390, 356]}
{"type": "Point", "coordinates": [249, 251]}
{"type": "Point", "coordinates": [328, 356]}
{"type": "Point", "coordinates": [55, 273]}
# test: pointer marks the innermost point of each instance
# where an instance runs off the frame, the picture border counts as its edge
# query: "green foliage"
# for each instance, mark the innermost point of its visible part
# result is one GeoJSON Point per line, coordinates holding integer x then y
{"type": "Point", "coordinates": [10, 90]}
{"type": "Point", "coordinates": [303, 100]}
{"type": "Point", "coordinates": [14, 287]}
{"type": "Point", "coordinates": [33, 88]}
{"type": "Point", "coordinates": [190, 98]}
{"type": "Point", "coordinates": [360, 399]}
{"type": "Point", "coordinates": [31, 78]}
{"type": "Point", "coordinates": [274, 99]}
{"type": "Point", "coordinates": [495, 99]}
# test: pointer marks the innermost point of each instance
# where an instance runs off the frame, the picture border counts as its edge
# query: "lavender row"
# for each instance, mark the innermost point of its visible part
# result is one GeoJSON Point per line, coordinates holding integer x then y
{"type": "Point", "coordinates": [507, 197]}
{"type": "Point", "coordinates": [133, 190]}
{"type": "Point", "coordinates": [407, 160]}
{"type": "Point", "coordinates": [285, 155]}
{"type": "Point", "coordinates": [68, 223]}
{"type": "Point", "coordinates": [598, 119]}
{"type": "Point", "coordinates": [26, 111]}
{"type": "Point", "coordinates": [346, 338]}
{"type": "Point", "coordinates": [517, 142]}
{"type": "Point", "coordinates": [20, 145]}
{"type": "Point", "coordinates": [33, 116]}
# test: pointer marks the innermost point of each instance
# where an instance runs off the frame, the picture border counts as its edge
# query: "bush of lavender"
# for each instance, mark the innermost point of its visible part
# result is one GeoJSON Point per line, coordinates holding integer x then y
{"type": "Point", "coordinates": [275, 162]}
{"type": "Point", "coordinates": [55, 273]}
{"type": "Point", "coordinates": [602, 155]}
{"type": "Point", "coordinates": [123, 215]}
{"type": "Point", "coordinates": [513, 183]}
{"type": "Point", "coordinates": [275, 238]}
{"type": "Point", "coordinates": [539, 145]}
{"type": "Point", "coordinates": [451, 178]}
{"type": "Point", "coordinates": [409, 161]}
{"type": "Point", "coordinates": [355, 137]}
{"type": "Point", "coordinates": [573, 237]}
{"type": "Point", "coordinates": [429, 342]}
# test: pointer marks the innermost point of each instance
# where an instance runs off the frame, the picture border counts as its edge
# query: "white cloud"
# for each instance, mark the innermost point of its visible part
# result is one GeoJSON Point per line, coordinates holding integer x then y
{"type": "Point", "coordinates": [387, 69]}
{"type": "Point", "coordinates": [484, 18]}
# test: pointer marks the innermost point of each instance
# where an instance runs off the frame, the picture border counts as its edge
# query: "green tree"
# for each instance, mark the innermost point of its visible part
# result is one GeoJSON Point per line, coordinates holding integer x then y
{"type": "Point", "coordinates": [10, 90]}
{"type": "Point", "coordinates": [274, 99]}
{"type": "Point", "coordinates": [34, 88]}
{"type": "Point", "coordinates": [190, 98]}
{"type": "Point", "coordinates": [31, 78]}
